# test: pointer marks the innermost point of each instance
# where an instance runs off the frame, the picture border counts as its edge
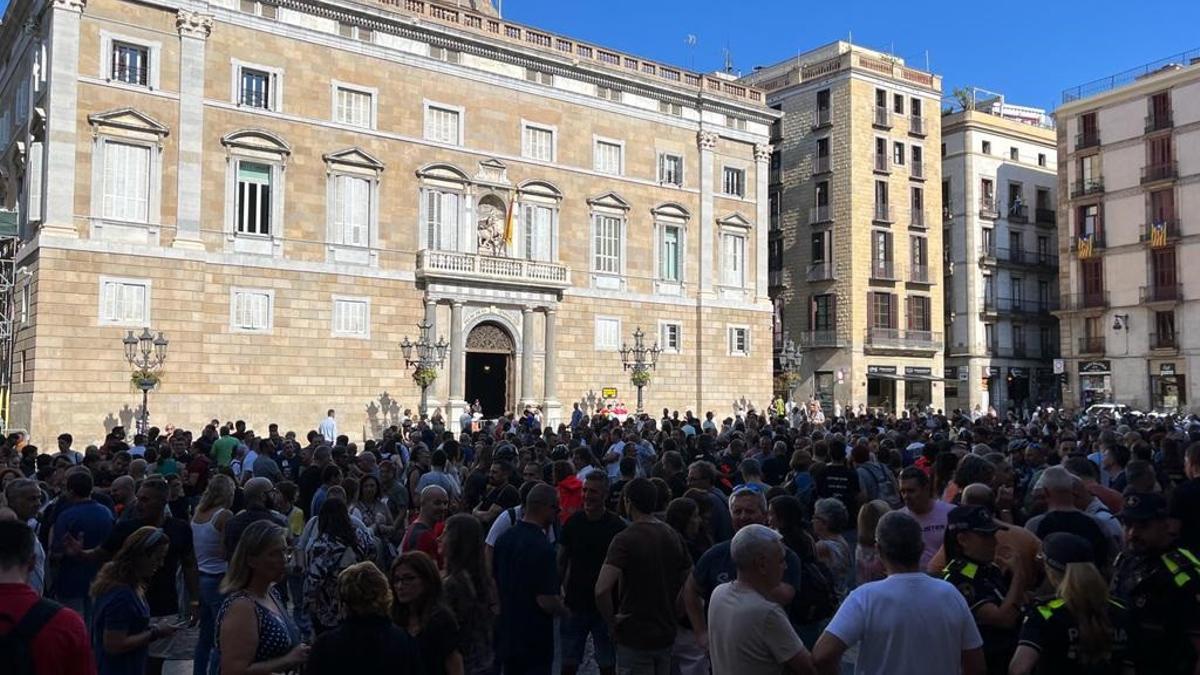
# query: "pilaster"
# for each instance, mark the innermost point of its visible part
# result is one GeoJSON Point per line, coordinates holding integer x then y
{"type": "Point", "coordinates": [58, 212]}
{"type": "Point", "coordinates": [707, 141]}
{"type": "Point", "coordinates": [762, 158]}
{"type": "Point", "coordinates": [194, 29]}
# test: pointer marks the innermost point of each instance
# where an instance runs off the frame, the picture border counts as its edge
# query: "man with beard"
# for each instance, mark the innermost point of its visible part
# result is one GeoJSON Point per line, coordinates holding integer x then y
{"type": "Point", "coordinates": [500, 494]}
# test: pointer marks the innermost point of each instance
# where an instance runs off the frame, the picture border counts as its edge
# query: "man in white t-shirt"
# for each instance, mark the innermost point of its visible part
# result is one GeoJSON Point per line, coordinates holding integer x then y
{"type": "Point", "coordinates": [907, 624]}
{"type": "Point", "coordinates": [748, 633]}
{"type": "Point", "coordinates": [930, 513]}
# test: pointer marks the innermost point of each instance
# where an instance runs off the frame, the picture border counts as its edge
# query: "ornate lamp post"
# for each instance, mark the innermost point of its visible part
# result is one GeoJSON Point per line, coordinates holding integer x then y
{"type": "Point", "coordinates": [146, 354]}
{"type": "Point", "coordinates": [640, 360]}
{"type": "Point", "coordinates": [425, 363]}
{"type": "Point", "coordinates": [789, 363]}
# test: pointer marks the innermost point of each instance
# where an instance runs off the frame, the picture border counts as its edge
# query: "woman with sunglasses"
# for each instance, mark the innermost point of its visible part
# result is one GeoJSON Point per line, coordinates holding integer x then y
{"type": "Point", "coordinates": [419, 608]}
{"type": "Point", "coordinates": [121, 630]}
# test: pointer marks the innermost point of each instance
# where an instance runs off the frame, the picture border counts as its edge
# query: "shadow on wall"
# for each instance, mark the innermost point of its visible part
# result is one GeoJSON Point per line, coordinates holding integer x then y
{"type": "Point", "coordinates": [122, 418]}
{"type": "Point", "coordinates": [590, 402]}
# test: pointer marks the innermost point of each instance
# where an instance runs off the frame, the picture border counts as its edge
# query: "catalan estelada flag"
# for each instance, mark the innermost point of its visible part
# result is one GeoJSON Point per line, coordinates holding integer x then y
{"type": "Point", "coordinates": [510, 221]}
{"type": "Point", "coordinates": [1158, 235]}
{"type": "Point", "coordinates": [1085, 247]}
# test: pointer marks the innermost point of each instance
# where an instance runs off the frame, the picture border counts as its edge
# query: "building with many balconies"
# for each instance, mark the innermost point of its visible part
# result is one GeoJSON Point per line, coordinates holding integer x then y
{"type": "Point", "coordinates": [286, 189]}
{"type": "Point", "coordinates": [999, 191]}
{"type": "Point", "coordinates": [1129, 204]}
{"type": "Point", "coordinates": [855, 255]}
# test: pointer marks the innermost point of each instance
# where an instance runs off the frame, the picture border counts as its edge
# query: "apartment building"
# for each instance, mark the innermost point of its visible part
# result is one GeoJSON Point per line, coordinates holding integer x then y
{"type": "Point", "coordinates": [1129, 202]}
{"type": "Point", "coordinates": [855, 262]}
{"type": "Point", "coordinates": [286, 189]}
{"type": "Point", "coordinates": [1000, 239]}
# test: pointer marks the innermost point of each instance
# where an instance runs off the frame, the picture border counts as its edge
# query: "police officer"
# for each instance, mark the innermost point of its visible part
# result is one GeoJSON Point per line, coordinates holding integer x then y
{"type": "Point", "coordinates": [995, 601]}
{"type": "Point", "coordinates": [1080, 630]}
{"type": "Point", "coordinates": [1160, 583]}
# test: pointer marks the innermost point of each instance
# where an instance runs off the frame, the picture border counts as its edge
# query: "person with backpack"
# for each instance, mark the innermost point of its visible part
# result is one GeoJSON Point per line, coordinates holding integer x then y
{"type": "Point", "coordinates": [876, 479]}
{"type": "Point", "coordinates": [37, 636]}
{"type": "Point", "coordinates": [817, 598]}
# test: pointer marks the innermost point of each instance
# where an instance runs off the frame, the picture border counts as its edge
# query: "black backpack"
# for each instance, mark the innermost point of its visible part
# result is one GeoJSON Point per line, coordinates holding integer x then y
{"type": "Point", "coordinates": [16, 646]}
{"type": "Point", "coordinates": [818, 593]}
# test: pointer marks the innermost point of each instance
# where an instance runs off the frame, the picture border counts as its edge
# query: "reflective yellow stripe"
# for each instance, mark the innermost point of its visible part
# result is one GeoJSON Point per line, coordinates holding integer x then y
{"type": "Point", "coordinates": [1046, 612]}
{"type": "Point", "coordinates": [1171, 566]}
{"type": "Point", "coordinates": [1056, 603]}
{"type": "Point", "coordinates": [1188, 554]}
{"type": "Point", "coordinates": [1181, 579]}
{"type": "Point", "coordinates": [970, 570]}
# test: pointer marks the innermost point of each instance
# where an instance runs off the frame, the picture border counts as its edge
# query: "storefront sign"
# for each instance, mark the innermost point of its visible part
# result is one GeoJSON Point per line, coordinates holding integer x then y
{"type": "Point", "coordinates": [1019, 372]}
{"type": "Point", "coordinates": [950, 372]}
{"type": "Point", "coordinates": [1093, 366]}
{"type": "Point", "coordinates": [1060, 366]}
{"type": "Point", "coordinates": [918, 370]}
{"type": "Point", "coordinates": [964, 373]}
{"type": "Point", "coordinates": [881, 370]}
{"type": "Point", "coordinates": [608, 392]}
{"type": "Point", "coordinates": [1166, 369]}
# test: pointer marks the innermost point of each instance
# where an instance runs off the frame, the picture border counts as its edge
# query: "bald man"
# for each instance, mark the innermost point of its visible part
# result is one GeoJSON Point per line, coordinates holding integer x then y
{"type": "Point", "coordinates": [423, 534]}
{"type": "Point", "coordinates": [1016, 542]}
{"type": "Point", "coordinates": [257, 493]}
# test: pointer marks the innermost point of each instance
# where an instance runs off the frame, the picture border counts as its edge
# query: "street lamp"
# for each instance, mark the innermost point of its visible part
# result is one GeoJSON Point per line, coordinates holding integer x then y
{"type": "Point", "coordinates": [789, 363]}
{"type": "Point", "coordinates": [146, 354]}
{"type": "Point", "coordinates": [425, 362]}
{"type": "Point", "coordinates": [640, 360]}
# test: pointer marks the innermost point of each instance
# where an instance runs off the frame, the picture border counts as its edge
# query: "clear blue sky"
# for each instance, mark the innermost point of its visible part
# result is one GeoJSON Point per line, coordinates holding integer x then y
{"type": "Point", "coordinates": [1029, 51]}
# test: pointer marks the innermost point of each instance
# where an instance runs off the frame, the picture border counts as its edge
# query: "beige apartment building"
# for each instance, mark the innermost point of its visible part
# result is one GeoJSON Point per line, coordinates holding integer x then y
{"type": "Point", "coordinates": [1000, 239]}
{"type": "Point", "coordinates": [855, 250]}
{"type": "Point", "coordinates": [285, 189]}
{"type": "Point", "coordinates": [1130, 202]}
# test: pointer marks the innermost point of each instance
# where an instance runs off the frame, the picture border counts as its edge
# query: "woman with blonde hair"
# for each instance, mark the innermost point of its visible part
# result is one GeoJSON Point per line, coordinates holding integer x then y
{"type": "Point", "coordinates": [1082, 630]}
{"type": "Point", "coordinates": [121, 630]}
{"type": "Point", "coordinates": [255, 636]}
{"type": "Point", "coordinates": [868, 566]}
{"type": "Point", "coordinates": [208, 532]}
{"type": "Point", "coordinates": [366, 642]}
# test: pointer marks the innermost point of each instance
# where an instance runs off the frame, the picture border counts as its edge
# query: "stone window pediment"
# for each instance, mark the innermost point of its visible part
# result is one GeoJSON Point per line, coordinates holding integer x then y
{"type": "Point", "coordinates": [356, 158]}
{"type": "Point", "coordinates": [540, 189]}
{"type": "Point", "coordinates": [257, 141]}
{"type": "Point", "coordinates": [735, 220]}
{"type": "Point", "coordinates": [671, 211]}
{"type": "Point", "coordinates": [444, 173]}
{"type": "Point", "coordinates": [609, 200]}
{"type": "Point", "coordinates": [128, 122]}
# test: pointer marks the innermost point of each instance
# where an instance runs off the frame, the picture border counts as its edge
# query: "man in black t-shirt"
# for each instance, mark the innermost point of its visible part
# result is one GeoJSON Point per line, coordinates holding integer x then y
{"type": "Point", "coordinates": [840, 481]}
{"type": "Point", "coordinates": [583, 545]}
{"type": "Point", "coordinates": [1063, 493]}
{"type": "Point", "coordinates": [1185, 502]}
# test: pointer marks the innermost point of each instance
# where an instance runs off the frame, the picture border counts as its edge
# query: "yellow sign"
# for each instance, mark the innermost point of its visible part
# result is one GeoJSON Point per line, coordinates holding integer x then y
{"type": "Point", "coordinates": [609, 392]}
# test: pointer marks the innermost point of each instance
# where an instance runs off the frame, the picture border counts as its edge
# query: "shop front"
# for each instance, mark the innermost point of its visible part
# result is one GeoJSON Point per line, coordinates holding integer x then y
{"type": "Point", "coordinates": [1095, 382]}
{"type": "Point", "coordinates": [990, 385]}
{"type": "Point", "coordinates": [881, 387]}
{"type": "Point", "coordinates": [918, 387]}
{"type": "Point", "coordinates": [1018, 388]}
{"type": "Point", "coordinates": [1167, 390]}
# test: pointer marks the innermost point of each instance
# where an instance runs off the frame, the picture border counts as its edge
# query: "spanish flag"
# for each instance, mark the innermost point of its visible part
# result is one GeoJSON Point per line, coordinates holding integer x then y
{"type": "Point", "coordinates": [510, 221]}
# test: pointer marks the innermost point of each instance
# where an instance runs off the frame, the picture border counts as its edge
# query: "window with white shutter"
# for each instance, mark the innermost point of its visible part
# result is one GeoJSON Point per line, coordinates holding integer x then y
{"type": "Point", "coordinates": [734, 182]}
{"type": "Point", "coordinates": [670, 336]}
{"type": "Point", "coordinates": [124, 302]}
{"type": "Point", "coordinates": [608, 334]}
{"type": "Point", "coordinates": [251, 310]}
{"type": "Point", "coordinates": [442, 125]}
{"type": "Point", "coordinates": [442, 214]}
{"type": "Point", "coordinates": [607, 232]}
{"type": "Point", "coordinates": [537, 226]}
{"type": "Point", "coordinates": [670, 260]}
{"type": "Point", "coordinates": [126, 182]}
{"type": "Point", "coordinates": [739, 340]}
{"type": "Point", "coordinates": [670, 169]}
{"type": "Point", "coordinates": [351, 316]}
{"type": "Point", "coordinates": [352, 210]}
{"type": "Point", "coordinates": [733, 257]}
{"type": "Point", "coordinates": [353, 107]}
{"type": "Point", "coordinates": [539, 143]}
{"type": "Point", "coordinates": [608, 157]}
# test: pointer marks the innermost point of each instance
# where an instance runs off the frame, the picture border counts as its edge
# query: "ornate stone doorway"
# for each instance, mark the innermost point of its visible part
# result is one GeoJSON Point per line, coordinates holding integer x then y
{"type": "Point", "coordinates": [489, 369]}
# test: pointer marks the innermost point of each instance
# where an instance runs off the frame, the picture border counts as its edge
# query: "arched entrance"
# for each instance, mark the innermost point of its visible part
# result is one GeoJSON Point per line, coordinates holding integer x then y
{"type": "Point", "coordinates": [489, 368]}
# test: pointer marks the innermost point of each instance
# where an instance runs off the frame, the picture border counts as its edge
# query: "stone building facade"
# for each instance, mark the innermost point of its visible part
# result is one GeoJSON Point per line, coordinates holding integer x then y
{"type": "Point", "coordinates": [855, 253]}
{"type": "Point", "coordinates": [999, 206]}
{"type": "Point", "coordinates": [1129, 205]}
{"type": "Point", "coordinates": [285, 189]}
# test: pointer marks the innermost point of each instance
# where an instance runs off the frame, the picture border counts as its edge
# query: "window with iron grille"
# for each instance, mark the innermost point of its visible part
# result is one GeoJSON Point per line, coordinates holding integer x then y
{"type": "Point", "coordinates": [130, 63]}
{"type": "Point", "coordinates": [256, 89]}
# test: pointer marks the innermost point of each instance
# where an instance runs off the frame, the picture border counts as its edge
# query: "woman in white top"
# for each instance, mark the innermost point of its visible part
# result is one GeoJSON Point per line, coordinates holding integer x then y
{"type": "Point", "coordinates": [208, 532]}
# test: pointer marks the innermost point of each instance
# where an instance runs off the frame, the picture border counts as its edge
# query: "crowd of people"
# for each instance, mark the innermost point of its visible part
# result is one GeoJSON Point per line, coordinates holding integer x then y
{"type": "Point", "coordinates": [785, 540]}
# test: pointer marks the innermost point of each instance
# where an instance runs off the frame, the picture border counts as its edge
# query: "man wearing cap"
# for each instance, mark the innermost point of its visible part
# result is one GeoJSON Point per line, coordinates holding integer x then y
{"type": "Point", "coordinates": [1161, 585]}
{"type": "Point", "coordinates": [994, 602]}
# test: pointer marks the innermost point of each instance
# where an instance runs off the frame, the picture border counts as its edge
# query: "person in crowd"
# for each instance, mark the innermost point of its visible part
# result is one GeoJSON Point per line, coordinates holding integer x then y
{"type": "Point", "coordinates": [419, 608]}
{"type": "Point", "coordinates": [470, 592]}
{"type": "Point", "coordinates": [702, 475]}
{"type": "Point", "coordinates": [24, 498]}
{"type": "Point", "coordinates": [683, 515]}
{"type": "Point", "coordinates": [1014, 543]}
{"type": "Point", "coordinates": [55, 638]}
{"type": "Point", "coordinates": [437, 475]}
{"type": "Point", "coordinates": [372, 511]}
{"type": "Point", "coordinates": [1081, 630]}
{"type": "Point", "coordinates": [526, 575]}
{"type": "Point", "coordinates": [255, 634]}
{"type": "Point", "coordinates": [582, 548]}
{"type": "Point", "coordinates": [122, 630]}
{"type": "Point", "coordinates": [1185, 501]}
{"type": "Point", "coordinates": [89, 521]}
{"type": "Point", "coordinates": [1063, 494]}
{"type": "Point", "coordinates": [867, 565]}
{"type": "Point", "coordinates": [423, 532]}
{"type": "Point", "coordinates": [930, 513]}
{"type": "Point", "coordinates": [208, 528]}
{"type": "Point", "coordinates": [1160, 584]}
{"type": "Point", "coordinates": [994, 600]}
{"type": "Point", "coordinates": [366, 642]}
{"type": "Point", "coordinates": [499, 493]}
{"type": "Point", "coordinates": [829, 521]}
{"type": "Point", "coordinates": [907, 624]}
{"type": "Point", "coordinates": [339, 545]}
{"type": "Point", "coordinates": [257, 497]}
{"type": "Point", "coordinates": [839, 481]}
{"type": "Point", "coordinates": [748, 631]}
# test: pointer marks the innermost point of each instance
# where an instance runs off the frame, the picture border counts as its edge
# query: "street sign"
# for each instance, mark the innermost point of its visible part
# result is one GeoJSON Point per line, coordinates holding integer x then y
{"type": "Point", "coordinates": [1060, 367]}
{"type": "Point", "coordinates": [608, 392]}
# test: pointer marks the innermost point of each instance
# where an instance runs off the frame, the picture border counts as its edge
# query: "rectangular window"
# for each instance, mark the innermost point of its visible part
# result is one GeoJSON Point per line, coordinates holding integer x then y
{"type": "Point", "coordinates": [739, 341]}
{"type": "Point", "coordinates": [822, 316]}
{"type": "Point", "coordinates": [251, 311]}
{"type": "Point", "coordinates": [124, 302]}
{"type": "Point", "coordinates": [256, 89]}
{"type": "Point", "coordinates": [1041, 159]}
{"type": "Point", "coordinates": [350, 317]}
{"type": "Point", "coordinates": [354, 107]}
{"type": "Point", "coordinates": [443, 125]}
{"type": "Point", "coordinates": [608, 157]}
{"type": "Point", "coordinates": [914, 106]}
{"type": "Point", "coordinates": [670, 169]}
{"type": "Point", "coordinates": [607, 245]}
{"type": "Point", "coordinates": [130, 63]}
{"type": "Point", "coordinates": [898, 103]}
{"type": "Point", "coordinates": [351, 210]}
{"type": "Point", "coordinates": [987, 147]}
{"type": "Point", "coordinates": [822, 247]}
{"type": "Point", "coordinates": [670, 337]}
{"type": "Point", "coordinates": [608, 93]}
{"type": "Point", "coordinates": [734, 182]}
{"type": "Point", "coordinates": [898, 154]}
{"type": "Point", "coordinates": [537, 224]}
{"type": "Point", "coordinates": [1089, 221]}
{"type": "Point", "coordinates": [883, 311]}
{"type": "Point", "coordinates": [539, 76]}
{"type": "Point", "coordinates": [1162, 206]}
{"type": "Point", "coordinates": [444, 54]}
{"type": "Point", "coordinates": [918, 313]}
{"type": "Point", "coordinates": [668, 108]}
{"type": "Point", "coordinates": [608, 334]}
{"type": "Point", "coordinates": [733, 255]}
{"type": "Point", "coordinates": [670, 260]}
{"type": "Point", "coordinates": [1043, 200]}
{"type": "Point", "coordinates": [1014, 154]}
{"type": "Point", "coordinates": [253, 198]}
{"type": "Point", "coordinates": [126, 182]}
{"type": "Point", "coordinates": [539, 143]}
{"type": "Point", "coordinates": [442, 211]}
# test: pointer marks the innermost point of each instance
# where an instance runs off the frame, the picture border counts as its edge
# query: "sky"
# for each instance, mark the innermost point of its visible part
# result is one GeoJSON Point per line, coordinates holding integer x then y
{"type": "Point", "coordinates": [1029, 53]}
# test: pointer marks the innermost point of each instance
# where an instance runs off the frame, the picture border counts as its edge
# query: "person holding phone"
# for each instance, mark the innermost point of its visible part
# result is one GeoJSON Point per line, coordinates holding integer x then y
{"type": "Point", "coordinates": [121, 628]}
